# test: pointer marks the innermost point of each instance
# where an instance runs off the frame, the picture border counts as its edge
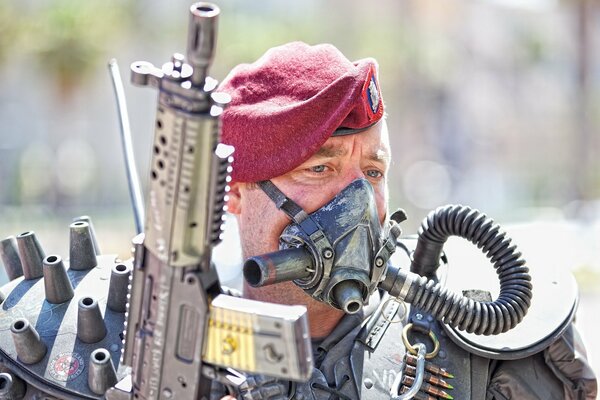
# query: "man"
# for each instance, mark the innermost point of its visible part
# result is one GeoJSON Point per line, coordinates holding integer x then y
{"type": "Point", "coordinates": [310, 167]}
{"type": "Point", "coordinates": [311, 122]}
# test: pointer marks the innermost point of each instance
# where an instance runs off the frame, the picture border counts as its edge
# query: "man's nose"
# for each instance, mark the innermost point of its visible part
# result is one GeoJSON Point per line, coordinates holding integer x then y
{"type": "Point", "coordinates": [347, 177]}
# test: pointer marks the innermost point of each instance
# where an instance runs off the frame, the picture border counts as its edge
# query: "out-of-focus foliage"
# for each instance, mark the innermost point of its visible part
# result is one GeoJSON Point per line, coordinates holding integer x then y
{"type": "Point", "coordinates": [9, 29]}
{"type": "Point", "coordinates": [485, 98]}
{"type": "Point", "coordinates": [66, 38]}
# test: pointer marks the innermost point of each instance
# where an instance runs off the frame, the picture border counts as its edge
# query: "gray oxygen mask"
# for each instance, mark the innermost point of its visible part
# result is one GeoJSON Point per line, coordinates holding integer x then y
{"type": "Point", "coordinates": [338, 254]}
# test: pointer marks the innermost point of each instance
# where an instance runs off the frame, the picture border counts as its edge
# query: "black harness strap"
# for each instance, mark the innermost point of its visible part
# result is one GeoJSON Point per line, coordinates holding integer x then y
{"type": "Point", "coordinates": [479, 376]}
{"type": "Point", "coordinates": [283, 203]}
{"type": "Point", "coordinates": [290, 207]}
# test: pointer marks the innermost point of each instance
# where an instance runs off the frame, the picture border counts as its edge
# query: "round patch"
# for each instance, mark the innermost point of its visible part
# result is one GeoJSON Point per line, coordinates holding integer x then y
{"type": "Point", "coordinates": [66, 366]}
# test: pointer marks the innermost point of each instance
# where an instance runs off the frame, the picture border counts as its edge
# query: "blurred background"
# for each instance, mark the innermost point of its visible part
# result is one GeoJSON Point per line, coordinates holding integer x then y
{"type": "Point", "coordinates": [491, 103]}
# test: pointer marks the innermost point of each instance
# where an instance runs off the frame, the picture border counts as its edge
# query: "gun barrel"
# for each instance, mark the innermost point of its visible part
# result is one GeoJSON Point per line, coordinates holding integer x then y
{"type": "Point", "coordinates": [202, 39]}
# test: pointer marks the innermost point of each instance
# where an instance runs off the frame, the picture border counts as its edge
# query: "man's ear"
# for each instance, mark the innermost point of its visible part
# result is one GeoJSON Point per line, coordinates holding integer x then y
{"type": "Point", "coordinates": [234, 201]}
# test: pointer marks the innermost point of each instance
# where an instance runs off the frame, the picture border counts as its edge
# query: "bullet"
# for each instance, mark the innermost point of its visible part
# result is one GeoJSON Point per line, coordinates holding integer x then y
{"type": "Point", "coordinates": [29, 346]}
{"type": "Point", "coordinates": [419, 395]}
{"type": "Point", "coordinates": [90, 325]}
{"type": "Point", "coordinates": [11, 386]}
{"type": "Point", "coordinates": [56, 282]}
{"type": "Point", "coordinates": [101, 372]}
{"type": "Point", "coordinates": [429, 366]}
{"type": "Point", "coordinates": [86, 218]}
{"type": "Point", "coordinates": [31, 255]}
{"type": "Point", "coordinates": [426, 387]}
{"type": "Point", "coordinates": [118, 288]}
{"type": "Point", "coordinates": [10, 258]}
{"type": "Point", "coordinates": [82, 254]}
{"type": "Point", "coordinates": [428, 377]}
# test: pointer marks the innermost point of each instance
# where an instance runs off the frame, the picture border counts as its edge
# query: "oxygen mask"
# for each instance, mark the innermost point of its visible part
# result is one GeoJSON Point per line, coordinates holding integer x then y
{"type": "Point", "coordinates": [337, 254]}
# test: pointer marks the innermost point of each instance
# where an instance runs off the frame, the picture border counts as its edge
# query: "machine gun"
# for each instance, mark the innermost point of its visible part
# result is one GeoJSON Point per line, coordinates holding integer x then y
{"type": "Point", "coordinates": [180, 331]}
{"type": "Point", "coordinates": [174, 281]}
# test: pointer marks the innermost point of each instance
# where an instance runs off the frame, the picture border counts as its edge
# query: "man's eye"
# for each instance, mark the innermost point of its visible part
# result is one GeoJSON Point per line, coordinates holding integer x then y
{"type": "Point", "coordinates": [317, 168]}
{"type": "Point", "coordinates": [373, 173]}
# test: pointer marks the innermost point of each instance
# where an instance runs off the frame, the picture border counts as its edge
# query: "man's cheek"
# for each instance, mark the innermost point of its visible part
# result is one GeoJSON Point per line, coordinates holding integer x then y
{"type": "Point", "coordinates": [280, 227]}
{"type": "Point", "coordinates": [381, 202]}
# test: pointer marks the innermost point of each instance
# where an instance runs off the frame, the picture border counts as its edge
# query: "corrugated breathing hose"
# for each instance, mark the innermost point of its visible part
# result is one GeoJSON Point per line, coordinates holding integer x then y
{"type": "Point", "coordinates": [479, 317]}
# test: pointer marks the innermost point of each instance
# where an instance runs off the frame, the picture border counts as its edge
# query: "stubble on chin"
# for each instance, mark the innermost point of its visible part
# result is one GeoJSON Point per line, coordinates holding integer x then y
{"type": "Point", "coordinates": [322, 318]}
{"type": "Point", "coordinates": [281, 293]}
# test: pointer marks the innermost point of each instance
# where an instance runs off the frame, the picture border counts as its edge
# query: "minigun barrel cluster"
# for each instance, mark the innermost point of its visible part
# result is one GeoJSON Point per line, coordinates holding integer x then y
{"type": "Point", "coordinates": [64, 317]}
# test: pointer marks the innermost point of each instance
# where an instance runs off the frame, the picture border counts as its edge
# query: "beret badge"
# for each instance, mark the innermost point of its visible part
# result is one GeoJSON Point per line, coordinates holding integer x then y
{"type": "Point", "coordinates": [373, 95]}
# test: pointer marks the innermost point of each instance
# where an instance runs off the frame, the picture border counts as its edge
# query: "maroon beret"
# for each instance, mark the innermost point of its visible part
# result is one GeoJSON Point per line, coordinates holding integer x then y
{"type": "Point", "coordinates": [290, 101]}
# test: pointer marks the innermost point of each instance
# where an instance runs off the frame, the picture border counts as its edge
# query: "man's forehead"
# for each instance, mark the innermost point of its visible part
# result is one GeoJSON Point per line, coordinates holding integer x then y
{"type": "Point", "coordinates": [334, 147]}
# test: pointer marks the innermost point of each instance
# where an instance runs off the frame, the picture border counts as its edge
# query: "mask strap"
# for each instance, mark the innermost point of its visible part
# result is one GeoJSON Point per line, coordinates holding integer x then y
{"type": "Point", "coordinates": [290, 207]}
{"type": "Point", "coordinates": [318, 242]}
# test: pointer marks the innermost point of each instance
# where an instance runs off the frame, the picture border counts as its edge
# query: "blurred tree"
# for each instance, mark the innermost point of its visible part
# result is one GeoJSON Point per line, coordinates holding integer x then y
{"type": "Point", "coordinates": [9, 30]}
{"type": "Point", "coordinates": [68, 37]}
{"type": "Point", "coordinates": [586, 144]}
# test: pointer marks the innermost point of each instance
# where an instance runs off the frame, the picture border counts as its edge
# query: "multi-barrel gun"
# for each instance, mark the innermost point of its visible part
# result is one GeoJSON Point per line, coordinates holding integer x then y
{"type": "Point", "coordinates": [157, 326]}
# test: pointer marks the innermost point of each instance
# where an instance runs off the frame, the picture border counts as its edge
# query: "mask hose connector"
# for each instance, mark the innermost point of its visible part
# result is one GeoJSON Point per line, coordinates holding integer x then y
{"type": "Point", "coordinates": [481, 318]}
{"type": "Point", "coordinates": [348, 296]}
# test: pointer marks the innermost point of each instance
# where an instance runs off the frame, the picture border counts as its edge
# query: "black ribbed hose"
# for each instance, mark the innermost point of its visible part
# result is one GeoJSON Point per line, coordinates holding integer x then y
{"type": "Point", "coordinates": [479, 317]}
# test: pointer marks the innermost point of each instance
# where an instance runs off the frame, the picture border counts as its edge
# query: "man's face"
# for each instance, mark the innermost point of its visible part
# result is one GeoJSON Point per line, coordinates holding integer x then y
{"type": "Point", "coordinates": [334, 166]}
